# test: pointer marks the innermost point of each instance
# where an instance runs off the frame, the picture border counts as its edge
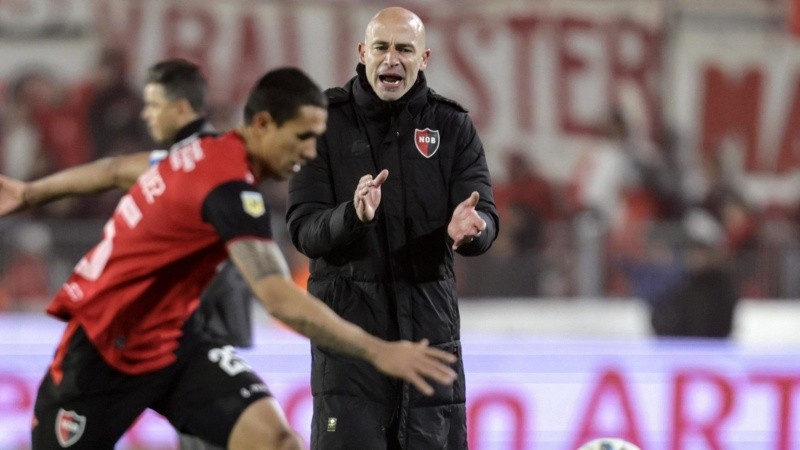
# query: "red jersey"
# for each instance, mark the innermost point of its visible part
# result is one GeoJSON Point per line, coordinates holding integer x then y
{"type": "Point", "coordinates": [134, 290]}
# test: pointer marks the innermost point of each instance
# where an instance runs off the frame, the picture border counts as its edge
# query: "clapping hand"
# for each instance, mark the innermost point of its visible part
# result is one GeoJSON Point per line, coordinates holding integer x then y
{"type": "Point", "coordinates": [466, 224]}
{"type": "Point", "coordinates": [367, 196]}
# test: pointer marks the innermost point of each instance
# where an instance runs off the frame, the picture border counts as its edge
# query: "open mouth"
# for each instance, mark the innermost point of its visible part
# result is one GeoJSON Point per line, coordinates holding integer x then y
{"type": "Point", "coordinates": [391, 80]}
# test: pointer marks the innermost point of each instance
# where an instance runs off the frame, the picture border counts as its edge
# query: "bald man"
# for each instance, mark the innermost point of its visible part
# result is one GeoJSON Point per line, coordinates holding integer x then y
{"type": "Point", "coordinates": [400, 185]}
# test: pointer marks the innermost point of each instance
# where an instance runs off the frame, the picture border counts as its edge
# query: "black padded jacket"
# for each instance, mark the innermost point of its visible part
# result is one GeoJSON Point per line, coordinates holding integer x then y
{"type": "Point", "coordinates": [394, 277]}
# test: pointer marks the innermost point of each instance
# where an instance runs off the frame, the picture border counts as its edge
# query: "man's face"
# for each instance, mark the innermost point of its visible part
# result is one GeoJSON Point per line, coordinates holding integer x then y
{"type": "Point", "coordinates": [284, 149]}
{"type": "Point", "coordinates": [393, 53]}
{"type": "Point", "coordinates": [163, 116]}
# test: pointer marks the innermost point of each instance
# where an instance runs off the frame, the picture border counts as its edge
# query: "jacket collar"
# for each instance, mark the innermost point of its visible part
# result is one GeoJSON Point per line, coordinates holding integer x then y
{"type": "Point", "coordinates": [375, 108]}
{"type": "Point", "coordinates": [191, 128]}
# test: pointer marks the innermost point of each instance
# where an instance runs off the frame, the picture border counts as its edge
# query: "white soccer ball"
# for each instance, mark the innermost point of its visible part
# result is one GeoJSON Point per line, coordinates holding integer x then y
{"type": "Point", "coordinates": [608, 444]}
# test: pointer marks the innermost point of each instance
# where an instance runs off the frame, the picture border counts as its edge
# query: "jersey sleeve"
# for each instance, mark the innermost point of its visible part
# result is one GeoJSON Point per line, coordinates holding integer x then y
{"type": "Point", "coordinates": [236, 209]}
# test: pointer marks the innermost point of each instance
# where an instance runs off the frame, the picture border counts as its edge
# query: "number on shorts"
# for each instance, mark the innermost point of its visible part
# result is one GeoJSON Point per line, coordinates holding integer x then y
{"type": "Point", "coordinates": [228, 360]}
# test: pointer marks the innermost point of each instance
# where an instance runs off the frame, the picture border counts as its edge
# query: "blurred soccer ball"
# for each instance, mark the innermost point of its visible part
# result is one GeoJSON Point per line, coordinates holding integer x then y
{"type": "Point", "coordinates": [608, 444]}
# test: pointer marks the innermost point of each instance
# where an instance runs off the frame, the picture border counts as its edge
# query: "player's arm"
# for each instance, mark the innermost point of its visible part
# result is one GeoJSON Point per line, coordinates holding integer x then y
{"type": "Point", "coordinates": [98, 176]}
{"type": "Point", "coordinates": [264, 267]}
{"type": "Point", "coordinates": [238, 213]}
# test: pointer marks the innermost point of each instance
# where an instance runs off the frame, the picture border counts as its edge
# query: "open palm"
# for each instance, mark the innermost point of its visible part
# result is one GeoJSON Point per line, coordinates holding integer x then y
{"type": "Point", "coordinates": [367, 196]}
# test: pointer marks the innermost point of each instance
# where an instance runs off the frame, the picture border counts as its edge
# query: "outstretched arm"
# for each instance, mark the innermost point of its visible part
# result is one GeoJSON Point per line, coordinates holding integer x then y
{"type": "Point", "coordinates": [263, 266]}
{"type": "Point", "coordinates": [91, 178]}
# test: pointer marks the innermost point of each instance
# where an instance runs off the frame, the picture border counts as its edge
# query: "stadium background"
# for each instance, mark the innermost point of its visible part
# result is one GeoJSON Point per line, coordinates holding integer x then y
{"type": "Point", "coordinates": [596, 216]}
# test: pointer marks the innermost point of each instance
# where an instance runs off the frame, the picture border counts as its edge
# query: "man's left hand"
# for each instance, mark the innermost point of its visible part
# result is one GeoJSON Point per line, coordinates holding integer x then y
{"type": "Point", "coordinates": [466, 224]}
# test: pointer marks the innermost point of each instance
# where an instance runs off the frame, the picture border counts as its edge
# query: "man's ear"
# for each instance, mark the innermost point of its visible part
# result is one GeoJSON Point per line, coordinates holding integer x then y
{"type": "Point", "coordinates": [262, 120]}
{"type": "Point", "coordinates": [425, 56]}
{"type": "Point", "coordinates": [186, 107]}
{"type": "Point", "coordinates": [362, 48]}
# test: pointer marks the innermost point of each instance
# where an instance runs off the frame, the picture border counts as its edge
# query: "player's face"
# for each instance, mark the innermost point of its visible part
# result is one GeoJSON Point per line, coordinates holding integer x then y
{"type": "Point", "coordinates": [161, 114]}
{"type": "Point", "coordinates": [393, 54]}
{"type": "Point", "coordinates": [286, 148]}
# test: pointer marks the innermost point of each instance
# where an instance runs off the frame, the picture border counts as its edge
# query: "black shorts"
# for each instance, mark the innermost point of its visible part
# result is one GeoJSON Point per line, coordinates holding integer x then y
{"type": "Point", "coordinates": [202, 394]}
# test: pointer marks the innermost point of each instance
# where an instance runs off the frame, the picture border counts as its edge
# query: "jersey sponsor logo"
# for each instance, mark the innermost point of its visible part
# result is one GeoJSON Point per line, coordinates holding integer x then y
{"type": "Point", "coordinates": [426, 141]}
{"type": "Point", "coordinates": [253, 203]}
{"type": "Point", "coordinates": [69, 427]}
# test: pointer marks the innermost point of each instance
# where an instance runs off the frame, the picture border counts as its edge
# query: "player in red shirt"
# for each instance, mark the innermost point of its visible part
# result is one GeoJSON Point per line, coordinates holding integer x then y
{"type": "Point", "coordinates": [132, 341]}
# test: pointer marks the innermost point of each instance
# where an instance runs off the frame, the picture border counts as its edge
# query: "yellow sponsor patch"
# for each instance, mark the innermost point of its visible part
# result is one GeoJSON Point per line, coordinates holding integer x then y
{"type": "Point", "coordinates": [253, 203]}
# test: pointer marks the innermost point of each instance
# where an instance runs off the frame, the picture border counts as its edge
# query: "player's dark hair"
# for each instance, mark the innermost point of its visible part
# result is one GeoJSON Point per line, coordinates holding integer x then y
{"type": "Point", "coordinates": [281, 93]}
{"type": "Point", "coordinates": [181, 80]}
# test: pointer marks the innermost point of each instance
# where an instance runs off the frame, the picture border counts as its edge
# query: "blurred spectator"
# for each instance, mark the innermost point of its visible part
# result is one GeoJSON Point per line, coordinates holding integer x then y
{"type": "Point", "coordinates": [512, 268]}
{"type": "Point", "coordinates": [24, 155]}
{"type": "Point", "coordinates": [602, 175]}
{"type": "Point", "coordinates": [113, 114]}
{"type": "Point", "coordinates": [49, 126]}
{"type": "Point", "coordinates": [616, 192]}
{"type": "Point", "coordinates": [526, 204]}
{"type": "Point", "coordinates": [722, 197]}
{"type": "Point", "coordinates": [529, 197]}
{"type": "Point", "coordinates": [59, 119]}
{"type": "Point", "coordinates": [703, 302]}
{"type": "Point", "coordinates": [655, 273]}
{"type": "Point", "coordinates": [622, 181]}
{"type": "Point", "coordinates": [724, 200]}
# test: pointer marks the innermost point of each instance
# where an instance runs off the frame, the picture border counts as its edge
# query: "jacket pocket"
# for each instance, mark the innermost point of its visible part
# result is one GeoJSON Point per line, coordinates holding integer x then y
{"type": "Point", "coordinates": [453, 394]}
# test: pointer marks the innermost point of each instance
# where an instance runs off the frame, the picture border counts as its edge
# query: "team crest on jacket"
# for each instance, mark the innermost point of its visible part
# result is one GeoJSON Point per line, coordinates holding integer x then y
{"type": "Point", "coordinates": [69, 427]}
{"type": "Point", "coordinates": [253, 203]}
{"type": "Point", "coordinates": [427, 141]}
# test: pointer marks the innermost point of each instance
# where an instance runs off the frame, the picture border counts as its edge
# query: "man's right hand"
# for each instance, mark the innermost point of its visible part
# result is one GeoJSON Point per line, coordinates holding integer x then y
{"type": "Point", "coordinates": [12, 195]}
{"type": "Point", "coordinates": [414, 362]}
{"type": "Point", "coordinates": [368, 195]}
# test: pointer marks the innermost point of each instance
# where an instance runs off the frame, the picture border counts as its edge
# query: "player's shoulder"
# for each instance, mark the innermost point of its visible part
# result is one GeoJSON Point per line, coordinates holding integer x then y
{"type": "Point", "coordinates": [203, 134]}
{"type": "Point", "coordinates": [337, 95]}
{"type": "Point", "coordinates": [188, 140]}
{"type": "Point", "coordinates": [211, 153]}
{"type": "Point", "coordinates": [448, 103]}
{"type": "Point", "coordinates": [222, 140]}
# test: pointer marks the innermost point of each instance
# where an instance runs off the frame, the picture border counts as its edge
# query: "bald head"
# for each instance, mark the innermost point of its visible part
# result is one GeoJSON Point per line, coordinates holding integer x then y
{"type": "Point", "coordinates": [397, 16]}
{"type": "Point", "coordinates": [393, 52]}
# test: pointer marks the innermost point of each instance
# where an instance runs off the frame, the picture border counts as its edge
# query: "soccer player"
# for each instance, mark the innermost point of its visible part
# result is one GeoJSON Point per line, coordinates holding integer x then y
{"type": "Point", "coordinates": [133, 340]}
{"type": "Point", "coordinates": [174, 98]}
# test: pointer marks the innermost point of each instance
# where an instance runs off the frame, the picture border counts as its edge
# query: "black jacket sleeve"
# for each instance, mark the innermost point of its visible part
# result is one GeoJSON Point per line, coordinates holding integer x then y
{"type": "Point", "coordinates": [471, 173]}
{"type": "Point", "coordinates": [317, 224]}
